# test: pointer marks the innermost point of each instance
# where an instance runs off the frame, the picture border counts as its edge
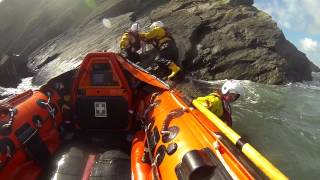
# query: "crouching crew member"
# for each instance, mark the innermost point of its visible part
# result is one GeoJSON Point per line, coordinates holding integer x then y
{"type": "Point", "coordinates": [130, 43]}
{"type": "Point", "coordinates": [219, 101]}
{"type": "Point", "coordinates": [162, 40]}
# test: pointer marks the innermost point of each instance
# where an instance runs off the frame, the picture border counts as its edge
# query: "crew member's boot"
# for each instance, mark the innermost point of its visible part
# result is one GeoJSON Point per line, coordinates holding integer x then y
{"type": "Point", "coordinates": [174, 70]}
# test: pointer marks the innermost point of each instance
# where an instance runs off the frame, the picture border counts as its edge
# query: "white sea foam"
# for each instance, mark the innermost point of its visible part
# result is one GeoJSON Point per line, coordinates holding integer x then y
{"type": "Point", "coordinates": [26, 84]}
{"type": "Point", "coordinates": [313, 85]}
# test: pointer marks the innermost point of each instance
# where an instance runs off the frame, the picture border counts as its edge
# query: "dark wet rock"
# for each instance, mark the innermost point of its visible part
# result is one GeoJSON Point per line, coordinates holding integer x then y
{"type": "Point", "coordinates": [8, 69]}
{"type": "Point", "coordinates": [235, 41]}
{"type": "Point", "coordinates": [217, 39]}
{"type": "Point", "coordinates": [12, 69]}
{"type": "Point", "coordinates": [229, 39]}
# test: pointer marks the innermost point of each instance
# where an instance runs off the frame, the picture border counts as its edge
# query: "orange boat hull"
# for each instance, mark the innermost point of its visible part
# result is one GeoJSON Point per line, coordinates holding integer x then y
{"type": "Point", "coordinates": [171, 139]}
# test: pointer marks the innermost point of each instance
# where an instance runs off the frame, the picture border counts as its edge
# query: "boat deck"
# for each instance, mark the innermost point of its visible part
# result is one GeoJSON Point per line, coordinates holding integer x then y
{"type": "Point", "coordinates": [93, 155]}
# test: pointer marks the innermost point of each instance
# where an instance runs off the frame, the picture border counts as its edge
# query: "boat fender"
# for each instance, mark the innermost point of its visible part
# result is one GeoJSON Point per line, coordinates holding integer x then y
{"type": "Point", "coordinates": [7, 149]}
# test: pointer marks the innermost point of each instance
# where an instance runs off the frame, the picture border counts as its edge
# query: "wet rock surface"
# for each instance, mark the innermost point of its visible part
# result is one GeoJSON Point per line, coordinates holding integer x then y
{"type": "Point", "coordinates": [12, 69]}
{"type": "Point", "coordinates": [217, 39]}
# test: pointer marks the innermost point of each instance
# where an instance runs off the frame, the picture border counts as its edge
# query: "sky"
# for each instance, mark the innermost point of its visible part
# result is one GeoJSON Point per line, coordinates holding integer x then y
{"type": "Point", "coordinates": [300, 22]}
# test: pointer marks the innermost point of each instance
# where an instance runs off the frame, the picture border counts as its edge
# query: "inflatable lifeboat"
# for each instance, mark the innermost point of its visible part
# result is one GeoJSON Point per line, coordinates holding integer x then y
{"type": "Point", "coordinates": [110, 119]}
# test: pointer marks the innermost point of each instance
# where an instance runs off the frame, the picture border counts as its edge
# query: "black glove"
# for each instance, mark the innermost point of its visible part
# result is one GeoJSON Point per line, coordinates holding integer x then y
{"type": "Point", "coordinates": [124, 53]}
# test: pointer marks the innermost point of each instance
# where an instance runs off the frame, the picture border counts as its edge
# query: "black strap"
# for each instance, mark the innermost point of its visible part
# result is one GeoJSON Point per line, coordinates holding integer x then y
{"type": "Point", "coordinates": [33, 144]}
{"type": "Point", "coordinates": [7, 149]}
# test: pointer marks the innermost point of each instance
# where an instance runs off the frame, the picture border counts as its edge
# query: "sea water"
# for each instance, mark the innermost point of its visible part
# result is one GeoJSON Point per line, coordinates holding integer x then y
{"type": "Point", "coordinates": [282, 122]}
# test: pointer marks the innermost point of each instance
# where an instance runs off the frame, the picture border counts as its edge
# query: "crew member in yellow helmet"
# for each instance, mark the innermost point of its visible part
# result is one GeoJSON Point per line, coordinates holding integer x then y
{"type": "Point", "coordinates": [162, 40]}
{"type": "Point", "coordinates": [130, 43]}
{"type": "Point", "coordinates": [219, 101]}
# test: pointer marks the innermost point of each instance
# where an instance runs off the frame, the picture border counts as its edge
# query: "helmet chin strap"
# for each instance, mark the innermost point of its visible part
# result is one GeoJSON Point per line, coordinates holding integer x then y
{"type": "Point", "coordinates": [227, 98]}
{"type": "Point", "coordinates": [231, 98]}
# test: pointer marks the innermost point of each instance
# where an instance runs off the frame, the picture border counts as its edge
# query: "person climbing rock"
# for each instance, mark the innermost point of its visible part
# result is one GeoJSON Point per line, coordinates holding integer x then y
{"type": "Point", "coordinates": [162, 40]}
{"type": "Point", "coordinates": [130, 43]}
{"type": "Point", "coordinates": [219, 101]}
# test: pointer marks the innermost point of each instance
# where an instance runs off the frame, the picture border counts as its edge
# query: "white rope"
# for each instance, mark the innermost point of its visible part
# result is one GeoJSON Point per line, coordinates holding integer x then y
{"type": "Point", "coordinates": [220, 157]}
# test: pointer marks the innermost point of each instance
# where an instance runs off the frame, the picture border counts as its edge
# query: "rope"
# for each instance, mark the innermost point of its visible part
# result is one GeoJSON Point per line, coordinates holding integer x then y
{"type": "Point", "coordinates": [216, 147]}
{"type": "Point", "coordinates": [50, 109]}
{"type": "Point", "coordinates": [11, 119]}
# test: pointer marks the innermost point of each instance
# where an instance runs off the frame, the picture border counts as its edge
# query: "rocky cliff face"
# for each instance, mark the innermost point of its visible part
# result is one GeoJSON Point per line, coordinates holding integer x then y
{"type": "Point", "coordinates": [232, 39]}
{"type": "Point", "coordinates": [217, 39]}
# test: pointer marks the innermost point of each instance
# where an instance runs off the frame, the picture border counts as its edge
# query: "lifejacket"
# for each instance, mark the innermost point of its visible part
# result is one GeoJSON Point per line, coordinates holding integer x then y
{"type": "Point", "coordinates": [157, 37]}
{"type": "Point", "coordinates": [217, 105]}
{"type": "Point", "coordinates": [136, 41]}
{"type": "Point", "coordinates": [130, 41]}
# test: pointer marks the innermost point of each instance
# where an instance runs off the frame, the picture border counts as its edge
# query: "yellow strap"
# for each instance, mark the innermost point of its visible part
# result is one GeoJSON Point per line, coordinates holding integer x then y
{"type": "Point", "coordinates": [259, 160]}
{"type": "Point", "coordinates": [262, 163]}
